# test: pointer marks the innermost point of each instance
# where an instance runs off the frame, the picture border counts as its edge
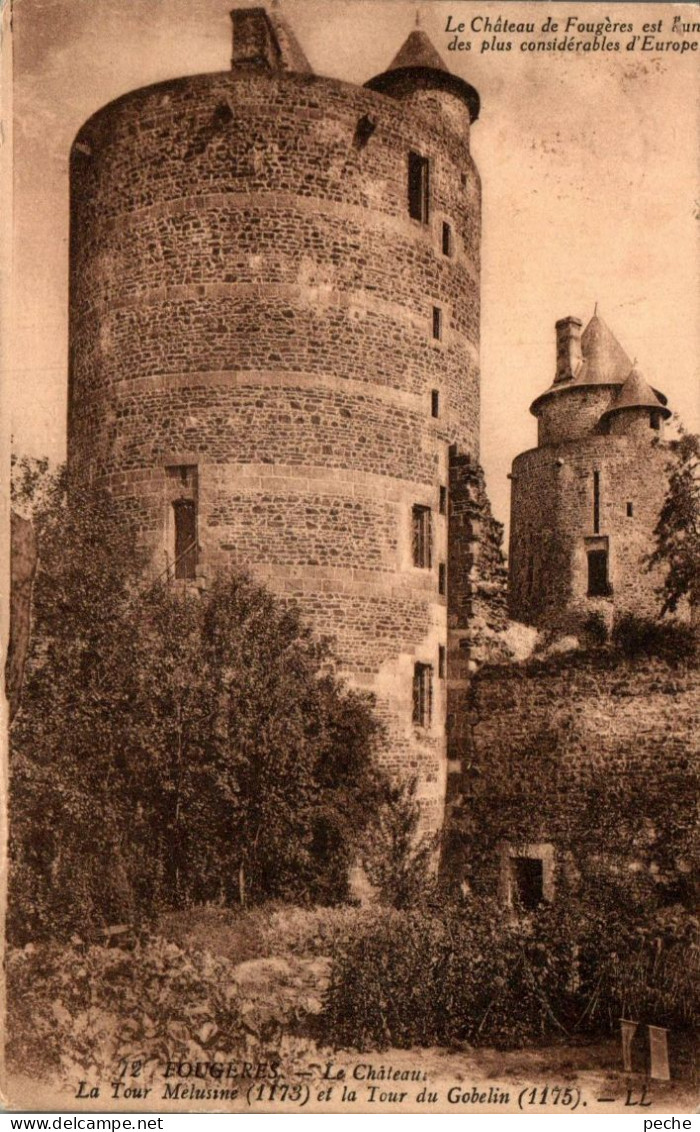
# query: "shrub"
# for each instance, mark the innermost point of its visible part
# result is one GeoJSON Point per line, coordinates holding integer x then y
{"type": "Point", "coordinates": [399, 860]}
{"type": "Point", "coordinates": [650, 972]}
{"type": "Point", "coordinates": [78, 1010]}
{"type": "Point", "coordinates": [595, 629]}
{"type": "Point", "coordinates": [677, 532]}
{"type": "Point", "coordinates": [473, 974]}
{"type": "Point", "coordinates": [672, 641]}
{"type": "Point", "coordinates": [464, 975]}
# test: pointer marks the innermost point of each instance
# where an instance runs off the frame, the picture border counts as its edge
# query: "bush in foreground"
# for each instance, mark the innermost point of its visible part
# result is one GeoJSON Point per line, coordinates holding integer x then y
{"type": "Point", "coordinates": [472, 974]}
{"type": "Point", "coordinates": [77, 1011]}
{"type": "Point", "coordinates": [672, 641]}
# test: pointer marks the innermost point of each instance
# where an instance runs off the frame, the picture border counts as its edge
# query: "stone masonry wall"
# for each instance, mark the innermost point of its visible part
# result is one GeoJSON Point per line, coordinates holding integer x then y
{"type": "Point", "coordinates": [476, 609]}
{"type": "Point", "coordinates": [632, 717]}
{"type": "Point", "coordinates": [569, 413]}
{"type": "Point", "coordinates": [552, 513]}
{"type": "Point", "coordinates": [249, 295]}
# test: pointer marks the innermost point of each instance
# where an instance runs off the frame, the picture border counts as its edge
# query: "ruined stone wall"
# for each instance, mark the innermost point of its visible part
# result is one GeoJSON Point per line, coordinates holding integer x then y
{"type": "Point", "coordinates": [552, 527]}
{"type": "Point", "coordinates": [635, 718]}
{"type": "Point", "coordinates": [249, 295]}
{"type": "Point", "coordinates": [476, 609]}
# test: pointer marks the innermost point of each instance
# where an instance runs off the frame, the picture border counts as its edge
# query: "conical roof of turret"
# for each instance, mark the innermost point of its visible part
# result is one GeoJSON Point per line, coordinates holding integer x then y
{"type": "Point", "coordinates": [262, 40]}
{"type": "Point", "coordinates": [292, 57]}
{"type": "Point", "coordinates": [636, 393]}
{"type": "Point", "coordinates": [604, 360]}
{"type": "Point", "coordinates": [417, 51]}
{"type": "Point", "coordinates": [418, 60]}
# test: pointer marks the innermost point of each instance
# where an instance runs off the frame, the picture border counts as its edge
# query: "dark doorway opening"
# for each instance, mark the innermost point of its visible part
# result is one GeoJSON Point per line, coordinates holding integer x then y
{"type": "Point", "coordinates": [528, 881]}
{"type": "Point", "coordinates": [598, 585]}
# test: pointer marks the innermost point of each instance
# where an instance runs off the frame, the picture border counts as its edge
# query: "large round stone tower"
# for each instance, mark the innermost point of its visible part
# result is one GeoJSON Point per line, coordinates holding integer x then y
{"type": "Point", "coordinates": [274, 324]}
{"type": "Point", "coordinates": [585, 502]}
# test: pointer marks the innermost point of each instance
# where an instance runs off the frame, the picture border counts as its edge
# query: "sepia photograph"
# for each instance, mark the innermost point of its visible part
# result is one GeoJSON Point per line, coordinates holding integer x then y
{"type": "Point", "coordinates": [350, 613]}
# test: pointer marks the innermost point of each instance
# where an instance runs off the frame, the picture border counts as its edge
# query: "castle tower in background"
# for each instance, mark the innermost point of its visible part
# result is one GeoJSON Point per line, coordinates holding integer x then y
{"type": "Point", "coordinates": [274, 335]}
{"type": "Point", "coordinates": [585, 502]}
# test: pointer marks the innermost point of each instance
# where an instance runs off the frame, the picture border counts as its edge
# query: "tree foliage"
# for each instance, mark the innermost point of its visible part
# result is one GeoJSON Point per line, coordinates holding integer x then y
{"type": "Point", "coordinates": [400, 860]}
{"type": "Point", "coordinates": [677, 532]}
{"type": "Point", "coordinates": [173, 746]}
{"type": "Point", "coordinates": [30, 484]}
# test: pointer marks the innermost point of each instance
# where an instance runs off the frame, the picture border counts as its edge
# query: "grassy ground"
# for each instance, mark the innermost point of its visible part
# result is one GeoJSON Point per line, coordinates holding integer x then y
{"type": "Point", "coordinates": [281, 955]}
{"type": "Point", "coordinates": [272, 930]}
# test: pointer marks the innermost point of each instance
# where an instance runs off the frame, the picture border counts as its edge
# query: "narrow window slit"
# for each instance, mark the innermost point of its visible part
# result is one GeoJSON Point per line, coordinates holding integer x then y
{"type": "Point", "coordinates": [422, 694]}
{"type": "Point", "coordinates": [446, 239]}
{"type": "Point", "coordinates": [418, 187]}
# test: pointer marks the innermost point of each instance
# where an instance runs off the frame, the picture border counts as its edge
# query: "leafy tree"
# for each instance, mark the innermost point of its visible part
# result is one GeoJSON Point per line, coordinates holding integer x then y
{"type": "Point", "coordinates": [173, 746]}
{"type": "Point", "coordinates": [400, 860]}
{"type": "Point", "coordinates": [30, 482]}
{"type": "Point", "coordinates": [677, 532]}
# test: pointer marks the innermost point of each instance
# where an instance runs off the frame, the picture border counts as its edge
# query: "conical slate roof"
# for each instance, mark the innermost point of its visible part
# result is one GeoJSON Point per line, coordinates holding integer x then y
{"type": "Point", "coordinates": [417, 51]}
{"type": "Point", "coordinates": [418, 63]}
{"type": "Point", "coordinates": [604, 360]}
{"type": "Point", "coordinates": [637, 394]}
{"type": "Point", "coordinates": [292, 57]}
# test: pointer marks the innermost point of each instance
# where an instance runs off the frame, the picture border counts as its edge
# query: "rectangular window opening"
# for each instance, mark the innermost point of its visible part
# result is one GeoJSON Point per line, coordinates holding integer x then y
{"type": "Point", "coordinates": [182, 492]}
{"type": "Point", "coordinates": [442, 661]}
{"type": "Point", "coordinates": [630, 510]}
{"type": "Point", "coordinates": [422, 537]}
{"type": "Point", "coordinates": [435, 402]}
{"type": "Point", "coordinates": [422, 694]}
{"type": "Point", "coordinates": [655, 421]}
{"type": "Point", "coordinates": [185, 513]}
{"type": "Point", "coordinates": [442, 578]}
{"type": "Point", "coordinates": [596, 502]}
{"type": "Point", "coordinates": [443, 500]}
{"type": "Point", "coordinates": [446, 239]}
{"type": "Point", "coordinates": [598, 585]}
{"type": "Point", "coordinates": [418, 187]}
{"type": "Point", "coordinates": [437, 323]}
{"type": "Point", "coordinates": [527, 881]}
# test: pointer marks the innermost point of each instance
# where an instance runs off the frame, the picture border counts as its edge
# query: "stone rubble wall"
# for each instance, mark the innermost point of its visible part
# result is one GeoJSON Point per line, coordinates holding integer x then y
{"type": "Point", "coordinates": [593, 710]}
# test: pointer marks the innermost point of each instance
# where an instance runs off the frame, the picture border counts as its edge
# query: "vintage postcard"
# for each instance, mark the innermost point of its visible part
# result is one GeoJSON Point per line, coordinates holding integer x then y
{"type": "Point", "coordinates": [349, 389]}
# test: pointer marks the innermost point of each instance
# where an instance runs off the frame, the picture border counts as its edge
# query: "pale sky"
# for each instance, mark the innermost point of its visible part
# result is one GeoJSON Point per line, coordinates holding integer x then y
{"type": "Point", "coordinates": [588, 162]}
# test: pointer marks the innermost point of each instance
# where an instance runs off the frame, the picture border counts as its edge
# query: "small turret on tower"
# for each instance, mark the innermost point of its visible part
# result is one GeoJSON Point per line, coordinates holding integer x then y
{"type": "Point", "coordinates": [418, 74]}
{"type": "Point", "coordinates": [592, 369]}
{"type": "Point", "coordinates": [636, 408]}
